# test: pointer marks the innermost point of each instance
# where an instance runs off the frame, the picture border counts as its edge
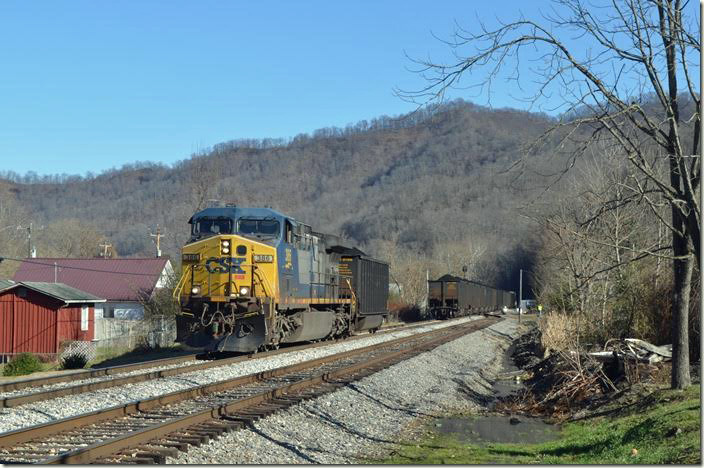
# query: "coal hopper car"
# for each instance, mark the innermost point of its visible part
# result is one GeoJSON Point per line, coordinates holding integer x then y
{"type": "Point", "coordinates": [451, 296]}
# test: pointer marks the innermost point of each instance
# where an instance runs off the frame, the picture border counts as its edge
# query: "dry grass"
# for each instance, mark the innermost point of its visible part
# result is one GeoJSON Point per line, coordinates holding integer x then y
{"type": "Point", "coordinates": [559, 331]}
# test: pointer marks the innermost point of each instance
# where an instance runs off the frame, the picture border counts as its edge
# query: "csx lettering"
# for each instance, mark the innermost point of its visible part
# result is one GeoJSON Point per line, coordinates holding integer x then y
{"type": "Point", "coordinates": [224, 265]}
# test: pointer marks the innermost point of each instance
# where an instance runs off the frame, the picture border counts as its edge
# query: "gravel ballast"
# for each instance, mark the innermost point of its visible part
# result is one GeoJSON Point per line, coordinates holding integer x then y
{"type": "Point", "coordinates": [63, 407]}
{"type": "Point", "coordinates": [365, 418]}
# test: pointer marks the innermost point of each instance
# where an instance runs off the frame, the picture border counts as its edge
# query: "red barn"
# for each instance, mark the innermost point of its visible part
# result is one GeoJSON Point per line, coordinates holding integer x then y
{"type": "Point", "coordinates": [37, 317]}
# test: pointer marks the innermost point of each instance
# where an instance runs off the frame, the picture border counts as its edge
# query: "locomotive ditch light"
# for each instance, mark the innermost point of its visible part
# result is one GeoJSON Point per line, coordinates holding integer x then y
{"type": "Point", "coordinates": [195, 290]}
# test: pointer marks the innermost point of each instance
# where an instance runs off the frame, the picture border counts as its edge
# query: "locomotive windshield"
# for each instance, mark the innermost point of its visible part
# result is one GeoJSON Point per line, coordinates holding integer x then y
{"type": "Point", "coordinates": [205, 227]}
{"type": "Point", "coordinates": [258, 227]}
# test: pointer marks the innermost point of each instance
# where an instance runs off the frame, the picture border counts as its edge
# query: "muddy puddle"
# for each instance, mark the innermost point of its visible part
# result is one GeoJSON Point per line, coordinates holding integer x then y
{"type": "Point", "coordinates": [498, 429]}
{"type": "Point", "coordinates": [507, 382]}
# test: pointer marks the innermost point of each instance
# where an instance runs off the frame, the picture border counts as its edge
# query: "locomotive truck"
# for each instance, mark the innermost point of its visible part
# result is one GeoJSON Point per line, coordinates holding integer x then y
{"type": "Point", "coordinates": [254, 278]}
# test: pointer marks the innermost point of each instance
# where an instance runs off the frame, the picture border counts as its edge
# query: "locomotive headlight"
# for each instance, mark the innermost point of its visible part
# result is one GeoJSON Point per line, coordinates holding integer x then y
{"type": "Point", "coordinates": [225, 246]}
{"type": "Point", "coordinates": [195, 290]}
{"type": "Point", "coordinates": [244, 290]}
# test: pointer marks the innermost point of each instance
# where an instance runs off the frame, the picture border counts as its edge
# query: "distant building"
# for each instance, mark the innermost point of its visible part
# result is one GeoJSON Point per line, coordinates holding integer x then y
{"type": "Point", "coordinates": [38, 317]}
{"type": "Point", "coordinates": [122, 282]}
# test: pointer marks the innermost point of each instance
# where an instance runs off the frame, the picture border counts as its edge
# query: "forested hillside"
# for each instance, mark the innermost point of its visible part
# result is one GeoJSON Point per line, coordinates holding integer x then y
{"type": "Point", "coordinates": [431, 184]}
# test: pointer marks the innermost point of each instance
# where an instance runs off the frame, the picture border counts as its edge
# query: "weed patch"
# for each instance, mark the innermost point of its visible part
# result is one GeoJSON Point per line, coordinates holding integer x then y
{"type": "Point", "coordinates": [22, 364]}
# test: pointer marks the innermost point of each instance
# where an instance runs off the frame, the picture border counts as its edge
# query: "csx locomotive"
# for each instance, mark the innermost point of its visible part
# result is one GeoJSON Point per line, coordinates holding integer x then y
{"type": "Point", "coordinates": [254, 278]}
{"type": "Point", "coordinates": [451, 296]}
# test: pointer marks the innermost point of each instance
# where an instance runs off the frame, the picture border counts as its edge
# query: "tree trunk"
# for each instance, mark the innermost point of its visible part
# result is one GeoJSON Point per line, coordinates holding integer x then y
{"type": "Point", "coordinates": [680, 313]}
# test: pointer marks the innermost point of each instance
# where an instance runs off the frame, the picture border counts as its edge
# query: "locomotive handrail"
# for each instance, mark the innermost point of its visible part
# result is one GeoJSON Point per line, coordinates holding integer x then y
{"type": "Point", "coordinates": [265, 283]}
{"type": "Point", "coordinates": [354, 296]}
{"type": "Point", "coordinates": [181, 283]}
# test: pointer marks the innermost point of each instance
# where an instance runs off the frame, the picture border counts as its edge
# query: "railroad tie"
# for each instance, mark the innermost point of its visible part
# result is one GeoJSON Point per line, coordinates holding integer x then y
{"type": "Point", "coordinates": [244, 418]}
{"type": "Point", "coordinates": [190, 440]}
{"type": "Point", "coordinates": [137, 461]}
{"type": "Point", "coordinates": [170, 443]}
{"type": "Point", "coordinates": [165, 451]}
{"type": "Point", "coordinates": [202, 437]}
{"type": "Point", "coordinates": [155, 457]}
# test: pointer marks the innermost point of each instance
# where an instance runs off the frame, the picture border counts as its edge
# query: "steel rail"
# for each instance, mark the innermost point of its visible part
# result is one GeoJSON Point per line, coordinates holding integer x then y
{"type": "Point", "coordinates": [91, 373]}
{"type": "Point", "coordinates": [17, 400]}
{"type": "Point", "coordinates": [13, 438]}
{"type": "Point", "coordinates": [143, 436]}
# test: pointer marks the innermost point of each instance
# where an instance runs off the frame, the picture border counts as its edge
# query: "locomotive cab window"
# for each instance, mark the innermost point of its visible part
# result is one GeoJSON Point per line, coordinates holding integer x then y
{"type": "Point", "coordinates": [205, 227]}
{"type": "Point", "coordinates": [260, 228]}
{"type": "Point", "coordinates": [288, 230]}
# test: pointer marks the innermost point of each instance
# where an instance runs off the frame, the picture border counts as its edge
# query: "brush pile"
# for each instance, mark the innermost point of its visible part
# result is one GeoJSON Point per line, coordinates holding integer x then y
{"type": "Point", "coordinates": [562, 383]}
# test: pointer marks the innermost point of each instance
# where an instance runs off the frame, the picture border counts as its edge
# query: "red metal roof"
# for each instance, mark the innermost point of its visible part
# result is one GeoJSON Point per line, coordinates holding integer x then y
{"type": "Point", "coordinates": [115, 279]}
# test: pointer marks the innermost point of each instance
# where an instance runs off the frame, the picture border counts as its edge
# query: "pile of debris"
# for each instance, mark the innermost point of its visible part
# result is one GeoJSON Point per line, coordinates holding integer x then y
{"type": "Point", "coordinates": [527, 349]}
{"type": "Point", "coordinates": [560, 384]}
{"type": "Point", "coordinates": [632, 360]}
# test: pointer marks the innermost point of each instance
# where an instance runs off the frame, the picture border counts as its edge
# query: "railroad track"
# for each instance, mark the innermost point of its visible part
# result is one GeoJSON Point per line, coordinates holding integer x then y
{"type": "Point", "coordinates": [148, 431]}
{"type": "Point", "coordinates": [111, 376]}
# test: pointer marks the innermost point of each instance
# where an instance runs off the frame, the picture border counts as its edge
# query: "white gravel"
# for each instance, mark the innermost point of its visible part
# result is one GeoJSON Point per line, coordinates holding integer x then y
{"type": "Point", "coordinates": [63, 407]}
{"type": "Point", "coordinates": [365, 418]}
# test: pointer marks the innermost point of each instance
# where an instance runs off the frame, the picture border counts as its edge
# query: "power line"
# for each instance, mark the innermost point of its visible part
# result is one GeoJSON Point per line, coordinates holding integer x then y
{"type": "Point", "coordinates": [35, 262]}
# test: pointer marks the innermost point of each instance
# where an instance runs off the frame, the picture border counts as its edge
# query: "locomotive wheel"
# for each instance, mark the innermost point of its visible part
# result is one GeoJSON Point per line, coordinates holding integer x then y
{"type": "Point", "coordinates": [267, 347]}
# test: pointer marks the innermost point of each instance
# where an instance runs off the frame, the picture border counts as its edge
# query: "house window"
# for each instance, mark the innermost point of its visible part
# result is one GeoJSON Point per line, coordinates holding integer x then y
{"type": "Point", "coordinates": [84, 318]}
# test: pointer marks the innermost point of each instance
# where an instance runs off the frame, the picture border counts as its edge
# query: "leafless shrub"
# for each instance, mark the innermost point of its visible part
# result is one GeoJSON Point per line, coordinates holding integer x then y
{"type": "Point", "coordinates": [558, 331]}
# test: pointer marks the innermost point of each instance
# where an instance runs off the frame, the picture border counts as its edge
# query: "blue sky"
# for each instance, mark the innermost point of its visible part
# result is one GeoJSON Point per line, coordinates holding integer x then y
{"type": "Point", "coordinates": [88, 85]}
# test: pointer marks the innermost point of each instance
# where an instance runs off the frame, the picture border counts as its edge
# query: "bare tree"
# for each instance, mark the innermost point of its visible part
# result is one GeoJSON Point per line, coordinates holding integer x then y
{"type": "Point", "coordinates": [203, 175]}
{"type": "Point", "coordinates": [453, 256]}
{"type": "Point", "coordinates": [628, 88]}
{"type": "Point", "coordinates": [69, 238]}
{"type": "Point", "coordinates": [600, 247]}
{"type": "Point", "coordinates": [12, 240]}
{"type": "Point", "coordinates": [407, 269]}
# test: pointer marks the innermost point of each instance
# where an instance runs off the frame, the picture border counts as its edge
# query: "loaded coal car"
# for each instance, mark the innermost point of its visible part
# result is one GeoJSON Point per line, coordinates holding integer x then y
{"type": "Point", "coordinates": [254, 278]}
{"type": "Point", "coordinates": [451, 296]}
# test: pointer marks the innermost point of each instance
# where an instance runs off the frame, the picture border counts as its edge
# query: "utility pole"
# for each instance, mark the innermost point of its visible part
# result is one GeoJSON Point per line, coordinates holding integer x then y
{"type": "Point", "coordinates": [105, 247]}
{"type": "Point", "coordinates": [56, 272]}
{"type": "Point", "coordinates": [520, 295]}
{"type": "Point", "coordinates": [157, 237]}
{"type": "Point", "coordinates": [29, 239]}
{"type": "Point", "coordinates": [427, 289]}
